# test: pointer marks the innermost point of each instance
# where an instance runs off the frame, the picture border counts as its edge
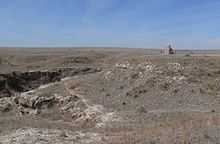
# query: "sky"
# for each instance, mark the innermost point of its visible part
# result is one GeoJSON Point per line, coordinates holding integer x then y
{"type": "Point", "coordinates": [111, 23]}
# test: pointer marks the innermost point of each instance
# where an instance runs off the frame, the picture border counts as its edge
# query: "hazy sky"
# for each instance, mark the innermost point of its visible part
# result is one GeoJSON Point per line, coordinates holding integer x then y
{"type": "Point", "coordinates": [124, 23]}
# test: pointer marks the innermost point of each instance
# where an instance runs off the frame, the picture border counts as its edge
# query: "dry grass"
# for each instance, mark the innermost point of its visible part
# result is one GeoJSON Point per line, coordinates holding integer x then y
{"type": "Point", "coordinates": [186, 131]}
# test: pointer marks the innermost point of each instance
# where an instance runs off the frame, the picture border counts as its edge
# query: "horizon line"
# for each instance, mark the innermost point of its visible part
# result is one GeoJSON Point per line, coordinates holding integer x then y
{"type": "Point", "coordinates": [99, 47]}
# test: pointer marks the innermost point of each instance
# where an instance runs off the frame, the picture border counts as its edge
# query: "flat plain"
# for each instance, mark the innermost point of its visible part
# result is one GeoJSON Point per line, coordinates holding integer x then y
{"type": "Point", "coordinates": [109, 96]}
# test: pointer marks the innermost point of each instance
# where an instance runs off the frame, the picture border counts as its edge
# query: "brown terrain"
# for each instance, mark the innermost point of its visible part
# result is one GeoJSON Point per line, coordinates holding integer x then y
{"type": "Point", "coordinates": [109, 96]}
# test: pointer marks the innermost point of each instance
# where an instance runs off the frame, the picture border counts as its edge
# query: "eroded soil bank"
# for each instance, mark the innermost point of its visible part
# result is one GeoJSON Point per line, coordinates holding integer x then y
{"type": "Point", "coordinates": [17, 82]}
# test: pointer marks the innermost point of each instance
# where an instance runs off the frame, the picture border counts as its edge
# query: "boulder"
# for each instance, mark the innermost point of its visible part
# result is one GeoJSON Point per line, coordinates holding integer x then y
{"type": "Point", "coordinates": [35, 102]}
{"type": "Point", "coordinates": [5, 105]}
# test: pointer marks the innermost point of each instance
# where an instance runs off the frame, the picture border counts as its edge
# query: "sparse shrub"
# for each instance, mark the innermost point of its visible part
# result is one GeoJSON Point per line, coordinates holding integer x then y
{"type": "Point", "coordinates": [213, 111]}
{"type": "Point", "coordinates": [133, 61]}
{"type": "Point", "coordinates": [142, 109]}
{"type": "Point", "coordinates": [121, 87]}
{"type": "Point", "coordinates": [152, 142]}
{"type": "Point", "coordinates": [209, 74]}
{"type": "Point", "coordinates": [102, 89]}
{"type": "Point", "coordinates": [128, 94]}
{"type": "Point", "coordinates": [212, 63]}
{"type": "Point", "coordinates": [107, 95]}
{"type": "Point", "coordinates": [134, 76]}
{"type": "Point", "coordinates": [201, 91]}
{"type": "Point", "coordinates": [175, 91]}
{"type": "Point", "coordinates": [63, 134]}
{"type": "Point", "coordinates": [165, 86]}
{"type": "Point", "coordinates": [212, 87]}
{"type": "Point", "coordinates": [135, 96]}
{"type": "Point", "coordinates": [187, 55]}
{"type": "Point", "coordinates": [144, 91]}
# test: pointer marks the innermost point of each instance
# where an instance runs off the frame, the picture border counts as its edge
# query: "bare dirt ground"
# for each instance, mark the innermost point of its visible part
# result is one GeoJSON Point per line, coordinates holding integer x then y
{"type": "Point", "coordinates": [109, 96]}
